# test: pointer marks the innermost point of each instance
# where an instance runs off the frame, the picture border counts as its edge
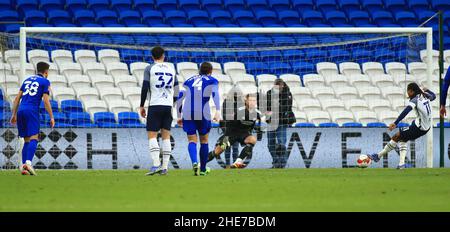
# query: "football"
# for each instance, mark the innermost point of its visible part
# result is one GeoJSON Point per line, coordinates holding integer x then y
{"type": "Point", "coordinates": [363, 161]}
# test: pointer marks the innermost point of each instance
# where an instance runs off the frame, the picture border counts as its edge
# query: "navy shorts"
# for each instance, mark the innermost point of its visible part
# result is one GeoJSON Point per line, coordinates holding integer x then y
{"type": "Point", "coordinates": [27, 122]}
{"type": "Point", "coordinates": [159, 117]}
{"type": "Point", "coordinates": [411, 133]}
{"type": "Point", "coordinates": [192, 126]}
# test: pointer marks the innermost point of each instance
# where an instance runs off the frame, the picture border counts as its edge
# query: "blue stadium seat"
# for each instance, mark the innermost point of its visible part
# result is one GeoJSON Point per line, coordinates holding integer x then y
{"type": "Point", "coordinates": [289, 17]}
{"type": "Point", "coordinates": [243, 17]}
{"type": "Point", "coordinates": [51, 5]}
{"type": "Point", "coordinates": [395, 5]}
{"type": "Point", "coordinates": [105, 17]}
{"type": "Point", "coordinates": [361, 55]}
{"type": "Point", "coordinates": [100, 40]}
{"type": "Point", "coordinates": [257, 5]}
{"type": "Point", "coordinates": [199, 57]}
{"type": "Point", "coordinates": [328, 124]}
{"type": "Point", "coordinates": [312, 17]}
{"type": "Point", "coordinates": [281, 40]}
{"type": "Point", "coordinates": [123, 39]}
{"type": "Point", "coordinates": [339, 55]}
{"type": "Point", "coordinates": [5, 5]}
{"type": "Point", "coordinates": [305, 39]}
{"type": "Point", "coordinates": [385, 55]}
{"type": "Point", "coordinates": [303, 5]}
{"type": "Point", "coordinates": [212, 5]}
{"type": "Point", "coordinates": [4, 106]}
{"type": "Point", "coordinates": [359, 18]}
{"type": "Point", "coordinates": [129, 120]}
{"type": "Point", "coordinates": [35, 17]}
{"type": "Point", "coordinates": [5, 117]}
{"type": "Point", "coordinates": [261, 41]}
{"type": "Point", "coordinates": [425, 15]}
{"type": "Point", "coordinates": [58, 116]}
{"type": "Point", "coordinates": [443, 5]}
{"type": "Point", "coordinates": [105, 120]}
{"type": "Point", "coordinates": [9, 16]}
{"type": "Point", "coordinates": [221, 17]}
{"type": "Point", "coordinates": [381, 18]}
{"type": "Point", "coordinates": [406, 19]}
{"type": "Point", "coordinates": [144, 5]}
{"type": "Point", "coordinates": [98, 5]}
{"type": "Point", "coordinates": [248, 56]}
{"type": "Point", "coordinates": [317, 55]}
{"type": "Point", "coordinates": [234, 5]}
{"type": "Point", "coordinates": [336, 17]}
{"type": "Point", "coordinates": [326, 5]}
{"type": "Point", "coordinates": [279, 68]}
{"type": "Point", "coordinates": [130, 17]}
{"type": "Point", "coordinates": [279, 5]}
{"type": "Point", "coordinates": [53, 103]}
{"type": "Point", "coordinates": [152, 17]}
{"type": "Point", "coordinates": [293, 55]}
{"type": "Point", "coordinates": [193, 41]}
{"type": "Point", "coordinates": [223, 57]}
{"type": "Point", "coordinates": [301, 68]}
{"type": "Point", "coordinates": [169, 40]}
{"type": "Point", "coordinates": [256, 68]}
{"type": "Point", "coordinates": [121, 5]}
{"type": "Point", "coordinates": [175, 17]}
{"type": "Point", "coordinates": [238, 41]}
{"type": "Point", "coordinates": [418, 5]}
{"type": "Point", "coordinates": [70, 106]}
{"type": "Point", "coordinates": [349, 5]}
{"type": "Point", "coordinates": [131, 55]}
{"type": "Point", "coordinates": [266, 17]}
{"type": "Point", "coordinates": [373, 5]}
{"type": "Point", "coordinates": [83, 17]}
{"type": "Point", "coordinates": [189, 5]}
{"type": "Point", "coordinates": [166, 5]}
{"type": "Point", "coordinates": [81, 120]}
{"type": "Point", "coordinates": [178, 56]}
{"type": "Point", "coordinates": [270, 56]}
{"type": "Point", "coordinates": [376, 125]}
{"type": "Point", "coordinates": [23, 6]}
{"type": "Point", "coordinates": [446, 124]}
{"type": "Point", "coordinates": [215, 41]}
{"type": "Point", "coordinates": [56, 17]}
{"type": "Point", "coordinates": [352, 124]}
{"type": "Point", "coordinates": [74, 5]}
{"type": "Point", "coordinates": [304, 125]}
{"type": "Point", "coordinates": [198, 17]}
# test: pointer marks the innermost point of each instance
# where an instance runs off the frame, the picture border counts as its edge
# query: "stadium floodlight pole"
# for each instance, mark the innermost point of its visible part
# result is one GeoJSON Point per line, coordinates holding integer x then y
{"type": "Point", "coordinates": [242, 30]}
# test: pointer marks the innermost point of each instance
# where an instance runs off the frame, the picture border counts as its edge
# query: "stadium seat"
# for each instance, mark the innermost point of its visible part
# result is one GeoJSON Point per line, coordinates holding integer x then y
{"type": "Point", "coordinates": [106, 17]}
{"type": "Point", "coordinates": [406, 19]}
{"type": "Point", "coordinates": [279, 5]}
{"type": "Point", "coordinates": [129, 120]}
{"type": "Point", "coordinates": [175, 17]}
{"type": "Point", "coordinates": [24, 6]}
{"type": "Point", "coordinates": [105, 120]}
{"type": "Point", "coordinates": [60, 94]}
{"type": "Point", "coordinates": [129, 17]}
{"type": "Point", "coordinates": [318, 117]}
{"type": "Point", "coordinates": [130, 91]}
{"type": "Point", "coordinates": [107, 56]}
{"type": "Point", "coordinates": [93, 68]}
{"type": "Point", "coordinates": [266, 17]}
{"type": "Point", "coordinates": [349, 68]}
{"type": "Point", "coordinates": [373, 68]}
{"type": "Point", "coordinates": [365, 117]}
{"type": "Point", "coordinates": [279, 68]}
{"type": "Point", "coordinates": [81, 120]}
{"type": "Point", "coordinates": [178, 56]}
{"type": "Point", "coordinates": [342, 118]}
{"type": "Point", "coordinates": [362, 55]}
{"type": "Point", "coordinates": [70, 106]}
{"type": "Point", "coordinates": [223, 57]}
{"type": "Point", "coordinates": [193, 41]}
{"type": "Point", "coordinates": [418, 5]}
{"type": "Point", "coordinates": [53, 104]}
{"type": "Point", "coordinates": [243, 17]}
{"type": "Point", "coordinates": [327, 69]}
{"type": "Point", "coordinates": [418, 69]}
{"type": "Point", "coordinates": [123, 5]}
{"type": "Point", "coordinates": [369, 93]}
{"type": "Point", "coordinates": [393, 92]}
{"type": "Point", "coordinates": [117, 106]}
{"type": "Point", "coordinates": [78, 81]}
{"type": "Point", "coordinates": [322, 93]}
{"type": "Point", "coordinates": [328, 124]}
{"type": "Point", "coordinates": [440, 5]}
{"type": "Point", "coordinates": [349, 5]}
{"type": "Point", "coordinates": [346, 92]}
{"type": "Point", "coordinates": [187, 69]}
{"type": "Point", "coordinates": [87, 94]}
{"type": "Point", "coordinates": [35, 17]}
{"type": "Point", "coordinates": [221, 17]}
{"type": "Point", "coordinates": [372, 5]}
{"type": "Point", "coordinates": [57, 80]}
{"type": "Point", "coordinates": [313, 80]}
{"type": "Point", "coordinates": [376, 125]}
{"type": "Point", "coordinates": [198, 17]}
{"type": "Point", "coordinates": [359, 18]}
{"type": "Point", "coordinates": [144, 5]}
{"type": "Point", "coordinates": [35, 56]}
{"type": "Point", "coordinates": [102, 81]}
{"type": "Point", "coordinates": [291, 80]}
{"type": "Point", "coordinates": [110, 93]}
{"type": "Point", "coordinates": [378, 105]}
{"type": "Point", "coordinates": [60, 56]}
{"type": "Point", "coordinates": [382, 80]}
{"type": "Point", "coordinates": [137, 69]}
{"type": "Point", "coordinates": [70, 69]}
{"type": "Point", "coordinates": [56, 17]}
{"type": "Point", "coordinates": [332, 105]}
{"type": "Point", "coordinates": [359, 80]}
{"type": "Point", "coordinates": [94, 106]}
{"type": "Point", "coordinates": [355, 105]}
{"type": "Point", "coordinates": [98, 5]}
{"type": "Point", "coordinates": [85, 56]}
{"type": "Point", "coordinates": [352, 125]}
{"type": "Point", "coordinates": [124, 80]}
{"type": "Point", "coordinates": [435, 55]}
{"type": "Point", "coordinates": [312, 17]}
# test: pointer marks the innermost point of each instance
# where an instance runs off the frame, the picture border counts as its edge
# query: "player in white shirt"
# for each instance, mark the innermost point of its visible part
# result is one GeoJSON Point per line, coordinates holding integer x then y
{"type": "Point", "coordinates": [420, 102]}
{"type": "Point", "coordinates": [160, 80]}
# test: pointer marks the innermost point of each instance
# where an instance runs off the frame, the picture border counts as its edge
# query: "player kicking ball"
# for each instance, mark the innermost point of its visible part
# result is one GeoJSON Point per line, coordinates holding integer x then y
{"type": "Point", "coordinates": [239, 129]}
{"type": "Point", "coordinates": [420, 102]}
{"type": "Point", "coordinates": [26, 113]}
{"type": "Point", "coordinates": [160, 81]}
{"type": "Point", "coordinates": [194, 114]}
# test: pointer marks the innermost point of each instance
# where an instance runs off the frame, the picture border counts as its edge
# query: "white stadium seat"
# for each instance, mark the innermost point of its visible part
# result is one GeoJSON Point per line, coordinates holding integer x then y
{"type": "Point", "coordinates": [336, 80]}
{"type": "Point", "coordinates": [356, 105]}
{"type": "Point", "coordinates": [264, 78]}
{"type": "Point", "coordinates": [117, 68]}
{"type": "Point", "coordinates": [125, 80]}
{"type": "Point", "coordinates": [57, 81]}
{"type": "Point", "coordinates": [359, 80]}
{"type": "Point", "coordinates": [365, 117]}
{"type": "Point", "coordinates": [318, 117]}
{"type": "Point", "coordinates": [29, 69]}
{"type": "Point", "coordinates": [94, 106]}
{"type": "Point", "coordinates": [117, 106]}
{"type": "Point", "coordinates": [447, 56]}
{"type": "Point", "coordinates": [128, 91]}
{"type": "Point", "coordinates": [102, 81]}
{"type": "Point", "coordinates": [61, 56]}
{"type": "Point", "coordinates": [5, 79]}
{"type": "Point", "coordinates": [5, 69]}
{"type": "Point", "coordinates": [398, 104]}
{"type": "Point", "coordinates": [341, 117]}
{"type": "Point", "coordinates": [247, 88]}
{"type": "Point", "coordinates": [137, 69]}
{"type": "Point", "coordinates": [110, 93]}
{"type": "Point", "coordinates": [217, 68]}
{"type": "Point", "coordinates": [187, 69]}
{"type": "Point", "coordinates": [62, 93]}
{"type": "Point", "coordinates": [327, 69]}
{"type": "Point", "coordinates": [93, 68]}
{"type": "Point", "coordinates": [107, 56]}
{"type": "Point", "coordinates": [69, 69]}
{"type": "Point", "coordinates": [403, 81]}
{"type": "Point", "coordinates": [87, 94]}
{"type": "Point", "coordinates": [300, 116]}
{"type": "Point", "coordinates": [434, 55]}
{"type": "Point", "coordinates": [245, 78]}
{"type": "Point", "coordinates": [223, 79]}
{"type": "Point", "coordinates": [308, 104]}
{"type": "Point", "coordinates": [85, 56]}
{"type": "Point", "coordinates": [387, 117]}
{"type": "Point", "coordinates": [135, 102]}
{"type": "Point", "coordinates": [393, 92]}
{"type": "Point", "coordinates": [369, 93]}
{"type": "Point", "coordinates": [378, 105]}
{"type": "Point", "coordinates": [234, 69]}
{"type": "Point", "coordinates": [35, 56]}
{"type": "Point", "coordinates": [417, 69]}
{"type": "Point", "coordinates": [180, 79]}
{"type": "Point", "coordinates": [346, 93]}
{"type": "Point", "coordinates": [313, 80]}
{"type": "Point", "coordinates": [382, 80]}
{"type": "Point", "coordinates": [349, 68]}
{"type": "Point", "coordinates": [323, 92]}
{"type": "Point", "coordinates": [291, 80]}
{"type": "Point", "coordinates": [12, 56]}
{"type": "Point", "coordinates": [76, 81]}
{"type": "Point", "coordinates": [373, 68]}
{"type": "Point", "coordinates": [300, 92]}
{"type": "Point", "coordinates": [396, 69]}
{"type": "Point", "coordinates": [53, 69]}
{"type": "Point", "coordinates": [332, 105]}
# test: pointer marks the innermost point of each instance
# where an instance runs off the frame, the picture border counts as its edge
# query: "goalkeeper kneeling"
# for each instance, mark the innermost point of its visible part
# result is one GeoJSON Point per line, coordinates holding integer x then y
{"type": "Point", "coordinates": [239, 129]}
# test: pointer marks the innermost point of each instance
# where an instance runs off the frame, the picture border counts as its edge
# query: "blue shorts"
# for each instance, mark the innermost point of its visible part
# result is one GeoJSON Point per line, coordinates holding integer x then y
{"type": "Point", "coordinates": [28, 122]}
{"type": "Point", "coordinates": [411, 133]}
{"type": "Point", "coordinates": [192, 126]}
{"type": "Point", "coordinates": [159, 117]}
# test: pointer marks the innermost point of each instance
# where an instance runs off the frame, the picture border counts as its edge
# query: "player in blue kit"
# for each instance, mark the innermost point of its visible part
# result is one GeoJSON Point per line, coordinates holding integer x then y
{"type": "Point", "coordinates": [26, 115]}
{"type": "Point", "coordinates": [194, 113]}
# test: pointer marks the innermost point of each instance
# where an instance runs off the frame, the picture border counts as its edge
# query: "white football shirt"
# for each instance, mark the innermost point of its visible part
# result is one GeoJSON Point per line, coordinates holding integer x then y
{"type": "Point", "coordinates": [162, 79]}
{"type": "Point", "coordinates": [422, 106]}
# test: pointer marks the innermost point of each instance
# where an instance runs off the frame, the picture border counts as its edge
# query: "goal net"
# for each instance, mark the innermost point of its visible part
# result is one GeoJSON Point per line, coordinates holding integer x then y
{"type": "Point", "coordinates": [351, 78]}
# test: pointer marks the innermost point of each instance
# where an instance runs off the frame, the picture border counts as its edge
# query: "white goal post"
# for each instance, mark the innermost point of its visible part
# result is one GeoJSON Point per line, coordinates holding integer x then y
{"type": "Point", "coordinates": [199, 30]}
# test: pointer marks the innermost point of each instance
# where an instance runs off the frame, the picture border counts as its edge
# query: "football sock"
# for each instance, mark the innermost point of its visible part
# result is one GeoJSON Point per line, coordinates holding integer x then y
{"type": "Point", "coordinates": [192, 148]}
{"type": "Point", "coordinates": [204, 150]}
{"type": "Point", "coordinates": [31, 149]}
{"type": "Point", "coordinates": [246, 152]}
{"type": "Point", "coordinates": [24, 152]}
{"type": "Point", "coordinates": [167, 151]}
{"type": "Point", "coordinates": [402, 147]}
{"type": "Point", "coordinates": [389, 147]}
{"type": "Point", "coordinates": [154, 152]}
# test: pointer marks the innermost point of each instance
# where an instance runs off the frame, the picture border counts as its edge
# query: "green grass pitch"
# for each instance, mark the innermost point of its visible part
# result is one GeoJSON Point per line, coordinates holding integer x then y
{"type": "Point", "coordinates": [228, 190]}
